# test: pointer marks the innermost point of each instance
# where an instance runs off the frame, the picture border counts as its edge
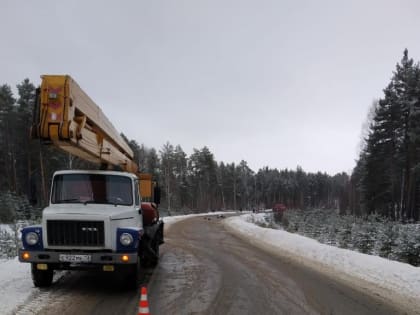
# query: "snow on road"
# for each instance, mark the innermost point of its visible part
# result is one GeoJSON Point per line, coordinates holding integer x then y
{"type": "Point", "coordinates": [173, 219]}
{"type": "Point", "coordinates": [16, 284]}
{"type": "Point", "coordinates": [387, 278]}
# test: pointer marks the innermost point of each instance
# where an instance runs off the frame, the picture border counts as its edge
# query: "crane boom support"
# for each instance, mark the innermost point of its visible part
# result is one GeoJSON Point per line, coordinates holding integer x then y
{"type": "Point", "coordinates": [70, 120]}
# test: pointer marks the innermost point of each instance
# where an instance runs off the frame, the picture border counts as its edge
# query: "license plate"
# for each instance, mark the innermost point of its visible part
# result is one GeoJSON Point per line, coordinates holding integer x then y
{"type": "Point", "coordinates": [75, 258]}
{"type": "Point", "coordinates": [42, 266]}
{"type": "Point", "coordinates": [108, 268]}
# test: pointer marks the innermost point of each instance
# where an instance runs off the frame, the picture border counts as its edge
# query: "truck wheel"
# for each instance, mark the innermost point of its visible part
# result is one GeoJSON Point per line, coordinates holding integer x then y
{"type": "Point", "coordinates": [41, 278]}
{"type": "Point", "coordinates": [154, 260]}
{"type": "Point", "coordinates": [150, 253]}
{"type": "Point", "coordinates": [161, 238]}
{"type": "Point", "coordinates": [134, 276]}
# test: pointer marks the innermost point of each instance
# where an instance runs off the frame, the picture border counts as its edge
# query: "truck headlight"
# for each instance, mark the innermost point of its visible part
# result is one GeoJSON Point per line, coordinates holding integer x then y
{"type": "Point", "coordinates": [126, 239]}
{"type": "Point", "coordinates": [31, 238]}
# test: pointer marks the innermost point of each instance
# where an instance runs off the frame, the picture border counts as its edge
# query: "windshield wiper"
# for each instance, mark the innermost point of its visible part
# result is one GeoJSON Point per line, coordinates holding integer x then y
{"type": "Point", "coordinates": [77, 200]}
{"type": "Point", "coordinates": [89, 201]}
{"type": "Point", "coordinates": [115, 201]}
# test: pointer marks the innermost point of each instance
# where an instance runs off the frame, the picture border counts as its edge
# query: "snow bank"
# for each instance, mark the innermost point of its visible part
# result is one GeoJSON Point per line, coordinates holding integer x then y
{"type": "Point", "coordinates": [16, 284]}
{"type": "Point", "coordinates": [7, 228]}
{"type": "Point", "coordinates": [388, 279]}
{"type": "Point", "coordinates": [173, 219]}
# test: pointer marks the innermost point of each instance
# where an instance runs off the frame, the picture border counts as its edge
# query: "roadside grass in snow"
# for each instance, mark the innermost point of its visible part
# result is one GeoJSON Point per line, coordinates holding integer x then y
{"type": "Point", "coordinates": [373, 235]}
{"type": "Point", "coordinates": [10, 238]}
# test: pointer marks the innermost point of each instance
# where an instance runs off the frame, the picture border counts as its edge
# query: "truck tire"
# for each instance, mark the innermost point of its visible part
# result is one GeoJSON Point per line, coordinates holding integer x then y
{"type": "Point", "coordinates": [41, 278]}
{"type": "Point", "coordinates": [155, 246]}
{"type": "Point", "coordinates": [150, 251]}
{"type": "Point", "coordinates": [161, 238]}
{"type": "Point", "coordinates": [134, 276]}
{"type": "Point", "coordinates": [154, 259]}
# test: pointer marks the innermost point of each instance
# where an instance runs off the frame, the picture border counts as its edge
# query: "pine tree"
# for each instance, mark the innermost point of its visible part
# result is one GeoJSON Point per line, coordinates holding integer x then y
{"type": "Point", "coordinates": [24, 160]}
{"type": "Point", "coordinates": [7, 154]}
{"type": "Point", "coordinates": [167, 171]}
{"type": "Point", "coordinates": [203, 179]}
{"type": "Point", "coordinates": [389, 182]}
{"type": "Point", "coordinates": [180, 171]}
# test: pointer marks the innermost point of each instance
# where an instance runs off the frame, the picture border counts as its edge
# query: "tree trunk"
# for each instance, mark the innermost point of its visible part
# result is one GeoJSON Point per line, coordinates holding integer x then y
{"type": "Point", "coordinates": [43, 187]}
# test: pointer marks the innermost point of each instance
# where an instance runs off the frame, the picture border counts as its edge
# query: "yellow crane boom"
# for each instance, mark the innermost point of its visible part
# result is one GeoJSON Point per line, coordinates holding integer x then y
{"type": "Point", "coordinates": [70, 120]}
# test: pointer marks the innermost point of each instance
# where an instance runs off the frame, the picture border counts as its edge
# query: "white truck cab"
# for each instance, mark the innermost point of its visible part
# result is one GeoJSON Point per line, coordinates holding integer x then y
{"type": "Point", "coordinates": [93, 221]}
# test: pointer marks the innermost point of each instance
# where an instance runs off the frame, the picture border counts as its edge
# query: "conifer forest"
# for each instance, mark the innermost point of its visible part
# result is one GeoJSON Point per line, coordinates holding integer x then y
{"type": "Point", "coordinates": [384, 182]}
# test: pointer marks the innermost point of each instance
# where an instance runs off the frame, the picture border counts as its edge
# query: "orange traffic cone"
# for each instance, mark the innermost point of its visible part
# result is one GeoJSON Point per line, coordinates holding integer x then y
{"type": "Point", "coordinates": [143, 304]}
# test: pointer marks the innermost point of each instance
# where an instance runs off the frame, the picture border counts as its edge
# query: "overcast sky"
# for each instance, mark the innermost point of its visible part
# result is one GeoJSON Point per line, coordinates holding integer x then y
{"type": "Point", "coordinates": [276, 83]}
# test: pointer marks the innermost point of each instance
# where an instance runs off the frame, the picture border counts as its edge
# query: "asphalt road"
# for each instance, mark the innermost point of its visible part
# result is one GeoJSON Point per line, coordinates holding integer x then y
{"type": "Point", "coordinates": [206, 270]}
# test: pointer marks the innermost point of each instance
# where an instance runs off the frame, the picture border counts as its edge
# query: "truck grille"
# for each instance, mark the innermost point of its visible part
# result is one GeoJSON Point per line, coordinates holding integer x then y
{"type": "Point", "coordinates": [75, 233]}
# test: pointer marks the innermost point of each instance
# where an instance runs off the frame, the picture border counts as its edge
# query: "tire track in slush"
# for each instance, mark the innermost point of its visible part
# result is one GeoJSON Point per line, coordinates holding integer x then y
{"type": "Point", "coordinates": [42, 297]}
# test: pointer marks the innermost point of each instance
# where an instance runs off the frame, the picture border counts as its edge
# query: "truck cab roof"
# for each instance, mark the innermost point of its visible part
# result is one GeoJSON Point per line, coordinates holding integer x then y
{"type": "Point", "coordinates": [104, 172]}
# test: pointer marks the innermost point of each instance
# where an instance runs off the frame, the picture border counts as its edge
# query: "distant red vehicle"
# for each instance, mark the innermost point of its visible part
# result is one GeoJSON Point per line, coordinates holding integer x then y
{"type": "Point", "coordinates": [279, 208]}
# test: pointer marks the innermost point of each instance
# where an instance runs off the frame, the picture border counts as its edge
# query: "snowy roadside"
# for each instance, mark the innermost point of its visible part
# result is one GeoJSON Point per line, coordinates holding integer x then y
{"type": "Point", "coordinates": [173, 219]}
{"type": "Point", "coordinates": [398, 282]}
{"type": "Point", "coordinates": [16, 284]}
{"type": "Point", "coordinates": [16, 288]}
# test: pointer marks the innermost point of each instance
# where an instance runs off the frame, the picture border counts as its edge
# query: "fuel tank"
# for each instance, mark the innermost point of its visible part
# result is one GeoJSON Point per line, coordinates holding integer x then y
{"type": "Point", "coordinates": [150, 213]}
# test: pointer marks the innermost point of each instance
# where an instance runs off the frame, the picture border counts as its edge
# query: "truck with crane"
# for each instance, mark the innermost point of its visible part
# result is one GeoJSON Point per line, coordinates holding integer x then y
{"type": "Point", "coordinates": [105, 219]}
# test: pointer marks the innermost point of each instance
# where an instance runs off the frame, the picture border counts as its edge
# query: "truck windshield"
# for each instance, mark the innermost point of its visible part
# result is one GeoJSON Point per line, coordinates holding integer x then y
{"type": "Point", "coordinates": [92, 188]}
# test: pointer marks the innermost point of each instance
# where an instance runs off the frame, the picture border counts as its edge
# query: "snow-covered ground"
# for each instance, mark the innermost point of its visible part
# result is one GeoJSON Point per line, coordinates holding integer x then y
{"type": "Point", "coordinates": [16, 284]}
{"type": "Point", "coordinates": [6, 228]}
{"type": "Point", "coordinates": [176, 218]}
{"type": "Point", "coordinates": [398, 282]}
{"type": "Point", "coordinates": [389, 279]}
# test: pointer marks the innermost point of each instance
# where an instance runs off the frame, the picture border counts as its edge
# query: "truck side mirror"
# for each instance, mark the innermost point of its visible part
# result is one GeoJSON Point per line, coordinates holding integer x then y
{"type": "Point", "coordinates": [156, 195]}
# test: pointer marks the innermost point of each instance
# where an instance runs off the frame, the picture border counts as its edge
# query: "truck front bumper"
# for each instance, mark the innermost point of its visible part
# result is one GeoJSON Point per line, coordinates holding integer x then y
{"type": "Point", "coordinates": [77, 258]}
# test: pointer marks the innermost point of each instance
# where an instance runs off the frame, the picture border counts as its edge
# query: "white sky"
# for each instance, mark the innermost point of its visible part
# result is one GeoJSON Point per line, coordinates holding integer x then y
{"type": "Point", "coordinates": [276, 83]}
